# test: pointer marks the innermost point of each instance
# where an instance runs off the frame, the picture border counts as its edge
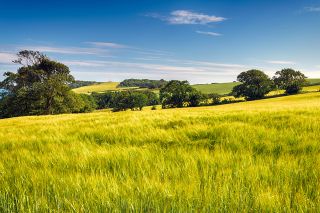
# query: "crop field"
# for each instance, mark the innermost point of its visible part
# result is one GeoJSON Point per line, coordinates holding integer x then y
{"type": "Point", "coordinates": [252, 156]}
{"type": "Point", "coordinates": [101, 87]}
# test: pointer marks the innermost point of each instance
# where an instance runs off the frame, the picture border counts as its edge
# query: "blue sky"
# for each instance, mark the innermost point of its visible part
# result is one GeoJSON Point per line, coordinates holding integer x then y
{"type": "Point", "coordinates": [200, 41]}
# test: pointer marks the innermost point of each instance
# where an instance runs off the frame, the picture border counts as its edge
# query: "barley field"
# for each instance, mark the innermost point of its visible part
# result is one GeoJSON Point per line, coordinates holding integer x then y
{"type": "Point", "coordinates": [252, 156]}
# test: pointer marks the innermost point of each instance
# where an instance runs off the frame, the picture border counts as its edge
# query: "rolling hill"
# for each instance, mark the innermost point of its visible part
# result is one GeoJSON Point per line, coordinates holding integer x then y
{"type": "Point", "coordinates": [219, 88]}
{"type": "Point", "coordinates": [251, 156]}
{"type": "Point", "coordinates": [101, 87]}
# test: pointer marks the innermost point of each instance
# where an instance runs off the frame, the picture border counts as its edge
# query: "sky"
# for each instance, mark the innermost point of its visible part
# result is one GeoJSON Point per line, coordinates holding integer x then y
{"type": "Point", "coordinates": [202, 41]}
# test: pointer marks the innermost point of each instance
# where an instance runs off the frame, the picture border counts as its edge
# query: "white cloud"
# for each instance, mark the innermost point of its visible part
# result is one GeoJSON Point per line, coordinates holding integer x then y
{"type": "Point", "coordinates": [6, 58]}
{"type": "Point", "coordinates": [312, 9]}
{"type": "Point", "coordinates": [187, 17]}
{"type": "Point", "coordinates": [107, 44]}
{"type": "Point", "coordinates": [281, 62]}
{"type": "Point", "coordinates": [208, 33]}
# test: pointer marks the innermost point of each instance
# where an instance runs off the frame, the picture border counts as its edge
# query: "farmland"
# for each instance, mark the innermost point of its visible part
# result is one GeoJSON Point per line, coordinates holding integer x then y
{"type": "Point", "coordinates": [251, 156]}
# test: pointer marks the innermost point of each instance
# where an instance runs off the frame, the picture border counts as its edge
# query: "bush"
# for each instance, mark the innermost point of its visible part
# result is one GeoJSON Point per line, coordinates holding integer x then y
{"type": "Point", "coordinates": [215, 98]}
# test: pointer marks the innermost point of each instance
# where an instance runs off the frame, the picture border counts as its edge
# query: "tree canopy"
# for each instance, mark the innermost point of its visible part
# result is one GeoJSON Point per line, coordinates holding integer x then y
{"type": "Point", "coordinates": [40, 86]}
{"type": "Point", "coordinates": [179, 94]}
{"type": "Point", "coordinates": [255, 84]}
{"type": "Point", "coordinates": [289, 80]}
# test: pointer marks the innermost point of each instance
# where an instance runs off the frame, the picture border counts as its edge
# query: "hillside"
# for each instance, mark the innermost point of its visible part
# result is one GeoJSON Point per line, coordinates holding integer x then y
{"type": "Point", "coordinates": [250, 156]}
{"type": "Point", "coordinates": [219, 88]}
{"type": "Point", "coordinates": [314, 80]}
{"type": "Point", "coordinates": [99, 87]}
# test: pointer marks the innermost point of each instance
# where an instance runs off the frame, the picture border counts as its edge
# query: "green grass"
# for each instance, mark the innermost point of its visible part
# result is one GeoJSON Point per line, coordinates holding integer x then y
{"type": "Point", "coordinates": [314, 80]}
{"type": "Point", "coordinates": [245, 157]}
{"type": "Point", "coordinates": [219, 88]}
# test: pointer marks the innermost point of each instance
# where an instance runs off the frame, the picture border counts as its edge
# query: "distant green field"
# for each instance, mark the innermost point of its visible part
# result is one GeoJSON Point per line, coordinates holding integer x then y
{"type": "Point", "coordinates": [219, 88]}
{"type": "Point", "coordinates": [258, 156]}
{"type": "Point", "coordinates": [314, 80]}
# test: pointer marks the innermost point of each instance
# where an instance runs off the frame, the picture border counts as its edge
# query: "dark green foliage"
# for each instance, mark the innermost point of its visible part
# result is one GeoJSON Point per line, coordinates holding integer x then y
{"type": "Point", "coordinates": [143, 83]}
{"type": "Point", "coordinates": [40, 86]}
{"type": "Point", "coordinates": [215, 98]}
{"type": "Point", "coordinates": [129, 100]}
{"type": "Point", "coordinates": [290, 80]}
{"type": "Point", "coordinates": [88, 103]}
{"type": "Point", "coordinates": [179, 94]}
{"type": "Point", "coordinates": [123, 100]}
{"type": "Point", "coordinates": [152, 98]}
{"type": "Point", "coordinates": [255, 85]}
{"type": "Point", "coordinates": [120, 101]}
{"type": "Point", "coordinates": [154, 107]}
{"type": "Point", "coordinates": [77, 84]}
{"type": "Point", "coordinates": [137, 100]}
{"type": "Point", "coordinates": [195, 98]}
{"type": "Point", "coordinates": [104, 100]}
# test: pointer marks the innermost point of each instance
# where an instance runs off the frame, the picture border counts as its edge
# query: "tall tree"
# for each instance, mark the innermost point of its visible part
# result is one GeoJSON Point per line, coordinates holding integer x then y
{"type": "Point", "coordinates": [40, 86]}
{"type": "Point", "coordinates": [255, 85]}
{"type": "Point", "coordinates": [175, 94]}
{"type": "Point", "coordinates": [290, 80]}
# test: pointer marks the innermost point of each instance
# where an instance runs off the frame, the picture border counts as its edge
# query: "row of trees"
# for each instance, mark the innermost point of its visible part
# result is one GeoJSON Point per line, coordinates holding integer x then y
{"type": "Point", "coordinates": [143, 83]}
{"type": "Point", "coordinates": [123, 100]}
{"type": "Point", "coordinates": [255, 84]}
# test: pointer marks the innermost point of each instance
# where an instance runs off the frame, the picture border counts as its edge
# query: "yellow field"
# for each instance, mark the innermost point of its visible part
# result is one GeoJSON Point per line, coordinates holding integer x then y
{"type": "Point", "coordinates": [100, 87]}
{"type": "Point", "coordinates": [252, 156]}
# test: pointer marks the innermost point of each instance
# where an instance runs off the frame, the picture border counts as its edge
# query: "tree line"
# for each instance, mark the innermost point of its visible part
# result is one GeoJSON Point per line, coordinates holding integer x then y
{"type": "Point", "coordinates": [143, 83]}
{"type": "Point", "coordinates": [41, 86]}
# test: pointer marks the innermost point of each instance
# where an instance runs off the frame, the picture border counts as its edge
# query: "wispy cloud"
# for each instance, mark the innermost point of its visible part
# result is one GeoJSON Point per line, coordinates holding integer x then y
{"type": "Point", "coordinates": [176, 68]}
{"type": "Point", "coordinates": [107, 44]}
{"type": "Point", "coordinates": [312, 9]}
{"type": "Point", "coordinates": [187, 17]}
{"type": "Point", "coordinates": [67, 50]}
{"type": "Point", "coordinates": [6, 58]}
{"type": "Point", "coordinates": [208, 33]}
{"type": "Point", "coordinates": [281, 62]}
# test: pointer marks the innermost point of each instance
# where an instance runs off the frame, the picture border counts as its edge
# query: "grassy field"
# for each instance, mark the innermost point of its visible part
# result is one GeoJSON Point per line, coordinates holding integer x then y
{"type": "Point", "coordinates": [314, 80]}
{"type": "Point", "coordinates": [252, 156]}
{"type": "Point", "coordinates": [219, 88]}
